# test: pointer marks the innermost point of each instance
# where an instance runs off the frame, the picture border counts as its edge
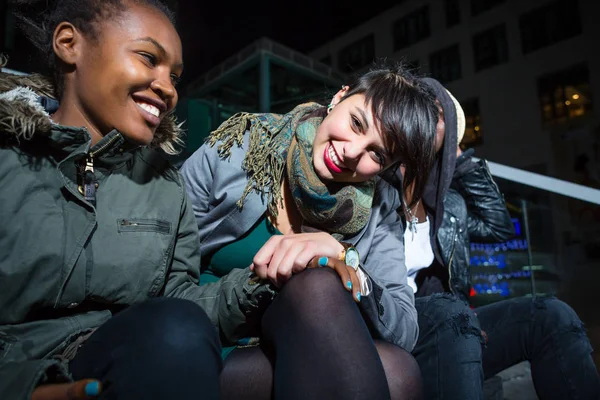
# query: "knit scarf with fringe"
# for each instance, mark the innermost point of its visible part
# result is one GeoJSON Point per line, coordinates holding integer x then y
{"type": "Point", "coordinates": [279, 141]}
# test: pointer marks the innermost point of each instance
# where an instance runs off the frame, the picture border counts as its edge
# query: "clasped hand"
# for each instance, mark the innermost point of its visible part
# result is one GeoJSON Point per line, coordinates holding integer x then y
{"type": "Point", "coordinates": [285, 255]}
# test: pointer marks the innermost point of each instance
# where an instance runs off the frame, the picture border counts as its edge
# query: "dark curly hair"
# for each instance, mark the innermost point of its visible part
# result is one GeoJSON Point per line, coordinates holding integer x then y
{"type": "Point", "coordinates": [38, 19]}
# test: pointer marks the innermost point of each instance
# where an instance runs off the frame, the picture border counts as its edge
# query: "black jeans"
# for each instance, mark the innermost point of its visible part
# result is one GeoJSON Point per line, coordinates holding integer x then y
{"type": "Point", "coordinates": [161, 349]}
{"type": "Point", "coordinates": [448, 349]}
{"type": "Point", "coordinates": [542, 330]}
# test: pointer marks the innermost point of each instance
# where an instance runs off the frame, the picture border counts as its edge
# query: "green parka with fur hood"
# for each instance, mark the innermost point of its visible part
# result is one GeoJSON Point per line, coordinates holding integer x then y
{"type": "Point", "coordinates": [66, 263]}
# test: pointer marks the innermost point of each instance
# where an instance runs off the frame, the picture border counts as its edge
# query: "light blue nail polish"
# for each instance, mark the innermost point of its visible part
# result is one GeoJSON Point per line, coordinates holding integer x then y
{"type": "Point", "coordinates": [323, 261]}
{"type": "Point", "coordinates": [92, 389]}
{"type": "Point", "coordinates": [349, 284]}
{"type": "Point", "coordinates": [358, 296]}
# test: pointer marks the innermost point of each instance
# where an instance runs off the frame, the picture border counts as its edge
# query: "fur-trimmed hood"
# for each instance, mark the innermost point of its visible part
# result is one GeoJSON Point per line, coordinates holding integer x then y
{"type": "Point", "coordinates": [22, 114]}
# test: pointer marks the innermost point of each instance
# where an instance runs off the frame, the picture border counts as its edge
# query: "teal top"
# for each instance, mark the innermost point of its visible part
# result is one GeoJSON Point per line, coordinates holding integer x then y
{"type": "Point", "coordinates": [238, 254]}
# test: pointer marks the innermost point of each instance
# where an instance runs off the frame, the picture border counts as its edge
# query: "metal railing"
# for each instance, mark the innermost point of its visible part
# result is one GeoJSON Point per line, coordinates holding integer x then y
{"type": "Point", "coordinates": [544, 182]}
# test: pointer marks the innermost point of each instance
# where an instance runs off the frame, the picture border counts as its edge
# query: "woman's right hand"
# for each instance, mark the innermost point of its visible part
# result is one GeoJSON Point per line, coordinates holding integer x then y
{"type": "Point", "coordinates": [80, 390]}
{"type": "Point", "coordinates": [284, 255]}
{"type": "Point", "coordinates": [347, 274]}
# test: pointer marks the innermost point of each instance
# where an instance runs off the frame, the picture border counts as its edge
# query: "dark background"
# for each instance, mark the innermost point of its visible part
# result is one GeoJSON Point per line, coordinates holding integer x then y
{"type": "Point", "coordinates": [213, 31]}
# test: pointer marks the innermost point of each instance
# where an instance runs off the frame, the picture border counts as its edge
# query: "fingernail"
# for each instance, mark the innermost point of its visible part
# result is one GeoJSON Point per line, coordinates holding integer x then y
{"type": "Point", "coordinates": [358, 296]}
{"type": "Point", "coordinates": [323, 261]}
{"type": "Point", "coordinates": [92, 389]}
{"type": "Point", "coordinates": [349, 284]}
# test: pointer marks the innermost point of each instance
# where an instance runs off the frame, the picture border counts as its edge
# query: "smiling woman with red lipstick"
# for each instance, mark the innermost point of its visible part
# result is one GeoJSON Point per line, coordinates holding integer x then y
{"type": "Point", "coordinates": [349, 146]}
{"type": "Point", "coordinates": [287, 194]}
{"type": "Point", "coordinates": [100, 264]}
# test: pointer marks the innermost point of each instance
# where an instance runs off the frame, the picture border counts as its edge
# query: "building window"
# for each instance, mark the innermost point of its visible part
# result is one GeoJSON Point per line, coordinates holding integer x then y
{"type": "Point", "coordinates": [357, 54]}
{"type": "Point", "coordinates": [490, 47]}
{"type": "Point", "coordinates": [565, 94]}
{"type": "Point", "coordinates": [552, 23]}
{"type": "Point", "coordinates": [452, 12]}
{"type": "Point", "coordinates": [412, 28]}
{"type": "Point", "coordinates": [481, 6]}
{"type": "Point", "coordinates": [444, 64]}
{"type": "Point", "coordinates": [473, 132]}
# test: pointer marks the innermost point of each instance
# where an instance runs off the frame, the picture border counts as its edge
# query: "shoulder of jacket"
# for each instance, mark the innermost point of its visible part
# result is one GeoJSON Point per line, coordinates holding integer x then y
{"type": "Point", "coordinates": [454, 203]}
{"type": "Point", "coordinates": [158, 163]}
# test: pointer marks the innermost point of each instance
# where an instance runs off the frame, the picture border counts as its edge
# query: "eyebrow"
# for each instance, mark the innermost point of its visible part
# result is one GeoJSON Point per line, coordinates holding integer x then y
{"type": "Point", "coordinates": [158, 46]}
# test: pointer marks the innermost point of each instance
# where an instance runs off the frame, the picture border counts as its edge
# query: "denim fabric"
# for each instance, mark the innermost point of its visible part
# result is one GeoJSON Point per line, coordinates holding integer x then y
{"type": "Point", "coordinates": [163, 348]}
{"type": "Point", "coordinates": [548, 333]}
{"type": "Point", "coordinates": [542, 330]}
{"type": "Point", "coordinates": [449, 348]}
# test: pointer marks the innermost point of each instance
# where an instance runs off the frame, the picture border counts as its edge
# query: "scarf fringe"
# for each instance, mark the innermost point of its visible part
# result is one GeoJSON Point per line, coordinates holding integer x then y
{"type": "Point", "coordinates": [277, 142]}
{"type": "Point", "coordinates": [260, 154]}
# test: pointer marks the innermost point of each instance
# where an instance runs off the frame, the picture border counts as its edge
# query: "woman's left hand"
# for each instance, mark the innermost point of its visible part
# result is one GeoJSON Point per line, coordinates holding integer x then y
{"type": "Point", "coordinates": [80, 390]}
{"type": "Point", "coordinates": [347, 274]}
{"type": "Point", "coordinates": [284, 255]}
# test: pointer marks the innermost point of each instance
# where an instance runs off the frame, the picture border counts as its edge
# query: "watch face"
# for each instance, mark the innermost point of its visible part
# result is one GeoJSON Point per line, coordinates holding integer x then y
{"type": "Point", "coordinates": [352, 258]}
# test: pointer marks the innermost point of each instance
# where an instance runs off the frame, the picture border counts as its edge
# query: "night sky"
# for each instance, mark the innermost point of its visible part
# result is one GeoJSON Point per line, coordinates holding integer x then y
{"type": "Point", "coordinates": [211, 32]}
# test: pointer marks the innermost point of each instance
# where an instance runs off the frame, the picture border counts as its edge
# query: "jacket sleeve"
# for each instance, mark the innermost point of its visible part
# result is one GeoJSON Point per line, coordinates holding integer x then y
{"type": "Point", "coordinates": [389, 309]}
{"type": "Point", "coordinates": [233, 304]}
{"type": "Point", "coordinates": [488, 218]}
{"type": "Point", "coordinates": [19, 379]}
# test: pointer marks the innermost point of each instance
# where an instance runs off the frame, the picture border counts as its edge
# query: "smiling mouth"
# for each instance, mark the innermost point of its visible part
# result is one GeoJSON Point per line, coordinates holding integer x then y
{"type": "Point", "coordinates": [152, 109]}
{"type": "Point", "coordinates": [332, 161]}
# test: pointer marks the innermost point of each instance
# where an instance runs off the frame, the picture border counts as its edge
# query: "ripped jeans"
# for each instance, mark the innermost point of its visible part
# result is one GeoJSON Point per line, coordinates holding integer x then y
{"type": "Point", "coordinates": [455, 357]}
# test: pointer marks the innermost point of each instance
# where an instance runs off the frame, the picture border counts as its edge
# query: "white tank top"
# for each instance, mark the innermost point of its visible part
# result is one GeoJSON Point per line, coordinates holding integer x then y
{"type": "Point", "coordinates": [417, 251]}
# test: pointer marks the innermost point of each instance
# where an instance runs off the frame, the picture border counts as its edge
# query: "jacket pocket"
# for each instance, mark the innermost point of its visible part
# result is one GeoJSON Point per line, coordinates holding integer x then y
{"type": "Point", "coordinates": [143, 225]}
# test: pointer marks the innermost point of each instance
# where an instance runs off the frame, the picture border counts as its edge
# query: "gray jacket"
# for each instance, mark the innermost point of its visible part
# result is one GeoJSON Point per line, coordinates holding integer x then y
{"type": "Point", "coordinates": [215, 185]}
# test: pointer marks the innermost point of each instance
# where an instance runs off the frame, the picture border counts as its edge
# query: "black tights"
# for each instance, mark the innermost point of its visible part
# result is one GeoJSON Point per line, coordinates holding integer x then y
{"type": "Point", "coordinates": [317, 346]}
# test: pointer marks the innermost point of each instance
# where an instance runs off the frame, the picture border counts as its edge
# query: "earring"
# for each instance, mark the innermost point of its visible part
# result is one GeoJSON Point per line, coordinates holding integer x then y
{"type": "Point", "coordinates": [330, 107]}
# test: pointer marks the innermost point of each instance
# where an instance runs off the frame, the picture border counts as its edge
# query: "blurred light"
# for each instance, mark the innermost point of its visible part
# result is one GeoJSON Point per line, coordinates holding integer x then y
{"type": "Point", "coordinates": [532, 268]}
{"type": "Point", "coordinates": [568, 102]}
{"type": "Point", "coordinates": [517, 225]}
{"type": "Point", "coordinates": [477, 128]}
{"type": "Point", "coordinates": [575, 96]}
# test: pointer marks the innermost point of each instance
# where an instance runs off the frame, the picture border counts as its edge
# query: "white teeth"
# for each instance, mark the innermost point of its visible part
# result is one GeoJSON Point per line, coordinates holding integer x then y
{"type": "Point", "coordinates": [150, 108]}
{"type": "Point", "coordinates": [335, 158]}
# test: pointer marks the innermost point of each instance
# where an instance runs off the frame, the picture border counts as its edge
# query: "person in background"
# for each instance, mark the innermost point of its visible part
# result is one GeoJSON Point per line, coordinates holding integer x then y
{"type": "Point", "coordinates": [459, 347]}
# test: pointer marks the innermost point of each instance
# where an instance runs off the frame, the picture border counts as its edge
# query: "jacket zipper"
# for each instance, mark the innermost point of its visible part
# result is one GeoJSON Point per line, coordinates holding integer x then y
{"type": "Point", "coordinates": [450, 271]}
{"type": "Point", "coordinates": [144, 225]}
{"type": "Point", "coordinates": [126, 222]}
{"type": "Point", "coordinates": [104, 146]}
{"type": "Point", "coordinates": [450, 263]}
{"type": "Point", "coordinates": [90, 183]}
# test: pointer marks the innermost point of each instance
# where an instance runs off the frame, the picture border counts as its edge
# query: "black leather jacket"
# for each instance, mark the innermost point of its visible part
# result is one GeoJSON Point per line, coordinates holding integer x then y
{"type": "Point", "coordinates": [474, 209]}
